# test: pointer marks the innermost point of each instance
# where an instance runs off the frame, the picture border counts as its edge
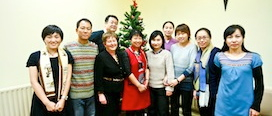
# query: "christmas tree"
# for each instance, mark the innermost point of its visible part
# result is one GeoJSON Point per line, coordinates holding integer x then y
{"type": "Point", "coordinates": [133, 21]}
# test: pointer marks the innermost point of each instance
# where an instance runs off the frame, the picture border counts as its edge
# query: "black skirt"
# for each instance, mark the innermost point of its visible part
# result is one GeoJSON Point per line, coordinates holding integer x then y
{"type": "Point", "coordinates": [39, 109]}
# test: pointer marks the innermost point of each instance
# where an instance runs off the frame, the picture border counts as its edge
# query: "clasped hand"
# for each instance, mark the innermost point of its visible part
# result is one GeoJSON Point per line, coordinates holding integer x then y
{"type": "Point", "coordinates": [172, 83]}
{"type": "Point", "coordinates": [55, 107]}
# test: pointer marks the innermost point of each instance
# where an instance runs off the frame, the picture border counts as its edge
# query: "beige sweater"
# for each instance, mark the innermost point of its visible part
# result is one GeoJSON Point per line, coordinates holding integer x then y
{"type": "Point", "coordinates": [160, 66]}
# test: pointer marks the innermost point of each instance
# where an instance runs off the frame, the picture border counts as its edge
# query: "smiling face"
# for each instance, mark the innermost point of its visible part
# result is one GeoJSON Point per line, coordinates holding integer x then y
{"type": "Point", "coordinates": [156, 43]}
{"type": "Point", "coordinates": [136, 41]}
{"type": "Point", "coordinates": [111, 24]}
{"type": "Point", "coordinates": [182, 37]}
{"type": "Point", "coordinates": [235, 40]}
{"type": "Point", "coordinates": [111, 43]}
{"type": "Point", "coordinates": [203, 39]}
{"type": "Point", "coordinates": [52, 41]}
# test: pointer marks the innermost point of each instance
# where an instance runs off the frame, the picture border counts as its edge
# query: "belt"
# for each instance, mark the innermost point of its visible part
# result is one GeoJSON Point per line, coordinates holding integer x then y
{"type": "Point", "coordinates": [113, 79]}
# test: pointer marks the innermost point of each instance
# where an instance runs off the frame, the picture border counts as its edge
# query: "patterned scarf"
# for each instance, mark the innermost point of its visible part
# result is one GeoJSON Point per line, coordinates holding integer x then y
{"type": "Point", "coordinates": [141, 58]}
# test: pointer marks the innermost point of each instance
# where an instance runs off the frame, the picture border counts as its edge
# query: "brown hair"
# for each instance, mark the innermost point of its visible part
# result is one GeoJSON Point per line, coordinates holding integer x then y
{"type": "Point", "coordinates": [183, 28]}
{"type": "Point", "coordinates": [108, 34]}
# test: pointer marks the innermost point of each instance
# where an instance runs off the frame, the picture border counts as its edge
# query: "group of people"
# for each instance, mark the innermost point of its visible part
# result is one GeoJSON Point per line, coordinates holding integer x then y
{"type": "Point", "coordinates": [92, 77]}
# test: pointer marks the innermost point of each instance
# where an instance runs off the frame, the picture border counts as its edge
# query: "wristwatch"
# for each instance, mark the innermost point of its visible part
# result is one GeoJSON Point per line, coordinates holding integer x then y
{"type": "Point", "coordinates": [64, 97]}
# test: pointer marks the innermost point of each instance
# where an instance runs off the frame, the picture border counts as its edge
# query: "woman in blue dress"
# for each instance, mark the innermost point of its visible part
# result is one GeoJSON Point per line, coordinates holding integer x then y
{"type": "Point", "coordinates": [237, 96]}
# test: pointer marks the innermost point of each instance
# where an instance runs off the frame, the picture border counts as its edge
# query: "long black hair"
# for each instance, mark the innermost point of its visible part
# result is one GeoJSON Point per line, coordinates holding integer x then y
{"type": "Point", "coordinates": [230, 30]}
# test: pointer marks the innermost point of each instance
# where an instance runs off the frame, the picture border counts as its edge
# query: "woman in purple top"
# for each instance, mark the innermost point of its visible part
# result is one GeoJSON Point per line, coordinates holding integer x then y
{"type": "Point", "coordinates": [168, 29]}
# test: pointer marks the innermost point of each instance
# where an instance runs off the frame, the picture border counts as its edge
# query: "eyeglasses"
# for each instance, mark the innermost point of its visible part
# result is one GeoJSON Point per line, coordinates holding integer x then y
{"type": "Point", "coordinates": [202, 38]}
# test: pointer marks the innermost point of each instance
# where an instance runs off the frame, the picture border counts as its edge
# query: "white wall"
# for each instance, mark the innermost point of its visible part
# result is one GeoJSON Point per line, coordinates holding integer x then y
{"type": "Point", "coordinates": [23, 20]}
{"type": "Point", "coordinates": [254, 15]}
{"type": "Point", "coordinates": [22, 23]}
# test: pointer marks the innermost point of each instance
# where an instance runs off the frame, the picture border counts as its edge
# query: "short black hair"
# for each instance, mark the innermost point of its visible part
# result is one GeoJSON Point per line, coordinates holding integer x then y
{"type": "Point", "coordinates": [107, 18]}
{"type": "Point", "coordinates": [204, 29]}
{"type": "Point", "coordinates": [135, 32]}
{"type": "Point", "coordinates": [50, 29]}
{"type": "Point", "coordinates": [83, 19]}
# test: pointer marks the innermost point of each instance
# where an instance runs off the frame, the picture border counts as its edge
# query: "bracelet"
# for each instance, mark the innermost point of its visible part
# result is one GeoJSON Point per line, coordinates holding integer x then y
{"type": "Point", "coordinates": [64, 97]}
{"type": "Point", "coordinates": [177, 80]}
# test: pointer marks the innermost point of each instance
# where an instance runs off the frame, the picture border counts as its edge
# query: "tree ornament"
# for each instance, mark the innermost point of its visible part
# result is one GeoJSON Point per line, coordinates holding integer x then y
{"type": "Point", "coordinates": [134, 3]}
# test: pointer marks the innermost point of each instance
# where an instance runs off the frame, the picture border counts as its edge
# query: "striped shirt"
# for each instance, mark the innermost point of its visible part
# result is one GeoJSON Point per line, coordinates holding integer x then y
{"type": "Point", "coordinates": [82, 82]}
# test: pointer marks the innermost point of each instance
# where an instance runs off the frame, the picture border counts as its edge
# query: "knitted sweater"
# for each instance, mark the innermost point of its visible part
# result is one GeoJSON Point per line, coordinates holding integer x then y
{"type": "Point", "coordinates": [183, 58]}
{"type": "Point", "coordinates": [160, 66]}
{"type": "Point", "coordinates": [82, 82]}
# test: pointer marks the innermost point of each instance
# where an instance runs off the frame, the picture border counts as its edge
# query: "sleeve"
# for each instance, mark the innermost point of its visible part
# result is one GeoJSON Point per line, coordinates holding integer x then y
{"type": "Point", "coordinates": [98, 73]}
{"type": "Point", "coordinates": [259, 88]}
{"type": "Point", "coordinates": [70, 57]}
{"type": "Point", "coordinates": [125, 64]}
{"type": "Point", "coordinates": [256, 61]}
{"type": "Point", "coordinates": [258, 78]}
{"type": "Point", "coordinates": [216, 60]}
{"type": "Point", "coordinates": [169, 70]}
{"type": "Point", "coordinates": [33, 59]}
{"type": "Point", "coordinates": [192, 57]}
{"type": "Point", "coordinates": [214, 74]}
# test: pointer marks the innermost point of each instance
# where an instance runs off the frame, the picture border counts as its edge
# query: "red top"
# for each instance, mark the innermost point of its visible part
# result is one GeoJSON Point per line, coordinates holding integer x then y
{"type": "Point", "coordinates": [133, 99]}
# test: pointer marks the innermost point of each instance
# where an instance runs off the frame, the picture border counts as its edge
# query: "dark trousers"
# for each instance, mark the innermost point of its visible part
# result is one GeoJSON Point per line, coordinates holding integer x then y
{"type": "Point", "coordinates": [69, 108]}
{"type": "Point", "coordinates": [208, 111]}
{"type": "Point", "coordinates": [186, 102]}
{"type": "Point", "coordinates": [112, 108]}
{"type": "Point", "coordinates": [159, 102]}
{"type": "Point", "coordinates": [135, 113]}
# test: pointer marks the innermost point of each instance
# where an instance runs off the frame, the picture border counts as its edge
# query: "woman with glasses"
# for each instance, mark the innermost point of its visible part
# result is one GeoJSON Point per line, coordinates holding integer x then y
{"type": "Point", "coordinates": [206, 74]}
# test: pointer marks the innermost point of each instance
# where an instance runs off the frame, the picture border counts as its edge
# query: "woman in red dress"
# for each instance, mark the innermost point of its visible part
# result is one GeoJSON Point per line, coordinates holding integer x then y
{"type": "Point", "coordinates": [136, 95]}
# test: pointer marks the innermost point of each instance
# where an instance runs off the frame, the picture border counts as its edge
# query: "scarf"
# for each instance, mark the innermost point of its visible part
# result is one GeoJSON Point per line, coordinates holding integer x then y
{"type": "Point", "coordinates": [205, 56]}
{"type": "Point", "coordinates": [141, 59]}
{"type": "Point", "coordinates": [46, 74]}
{"type": "Point", "coordinates": [201, 75]}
